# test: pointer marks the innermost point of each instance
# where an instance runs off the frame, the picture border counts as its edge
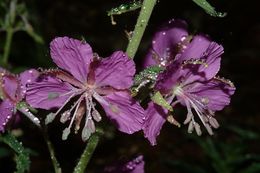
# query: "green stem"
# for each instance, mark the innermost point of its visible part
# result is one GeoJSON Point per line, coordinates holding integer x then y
{"type": "Point", "coordinates": [9, 31]}
{"type": "Point", "coordinates": [87, 154]}
{"type": "Point", "coordinates": [54, 160]}
{"type": "Point", "coordinates": [23, 108]}
{"type": "Point", "coordinates": [140, 26]}
{"type": "Point", "coordinates": [7, 47]}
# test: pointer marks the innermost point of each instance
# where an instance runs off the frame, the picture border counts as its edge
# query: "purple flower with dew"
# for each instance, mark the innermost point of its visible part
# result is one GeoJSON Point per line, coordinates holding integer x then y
{"type": "Point", "coordinates": [12, 91]}
{"type": "Point", "coordinates": [134, 166]}
{"type": "Point", "coordinates": [84, 79]}
{"type": "Point", "coordinates": [170, 40]}
{"type": "Point", "coordinates": [191, 81]}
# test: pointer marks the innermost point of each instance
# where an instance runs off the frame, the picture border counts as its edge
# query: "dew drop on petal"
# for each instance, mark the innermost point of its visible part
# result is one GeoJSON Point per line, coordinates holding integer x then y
{"type": "Point", "coordinates": [183, 38]}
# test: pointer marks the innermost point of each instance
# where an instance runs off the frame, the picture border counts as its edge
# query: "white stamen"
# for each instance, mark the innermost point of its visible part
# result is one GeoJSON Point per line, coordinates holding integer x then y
{"type": "Point", "coordinates": [65, 133]}
{"type": "Point", "coordinates": [197, 129]}
{"type": "Point", "coordinates": [213, 122]}
{"type": "Point", "coordinates": [65, 116]}
{"type": "Point", "coordinates": [49, 118]}
{"type": "Point", "coordinates": [67, 101]}
{"type": "Point", "coordinates": [190, 127]}
{"type": "Point", "coordinates": [189, 114]}
{"type": "Point", "coordinates": [95, 114]}
{"type": "Point", "coordinates": [77, 104]}
{"type": "Point", "coordinates": [86, 131]}
{"type": "Point", "coordinates": [199, 107]}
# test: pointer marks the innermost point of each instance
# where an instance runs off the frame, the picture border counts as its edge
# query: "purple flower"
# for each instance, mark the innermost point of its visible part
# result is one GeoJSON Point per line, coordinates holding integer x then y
{"type": "Point", "coordinates": [191, 81]}
{"type": "Point", "coordinates": [134, 166]}
{"type": "Point", "coordinates": [86, 77]}
{"type": "Point", "coordinates": [170, 40]}
{"type": "Point", "coordinates": [12, 91]}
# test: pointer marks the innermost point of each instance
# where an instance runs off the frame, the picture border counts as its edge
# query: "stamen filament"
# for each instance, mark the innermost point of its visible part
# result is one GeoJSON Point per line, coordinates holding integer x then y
{"type": "Point", "coordinates": [77, 104]}
{"type": "Point", "coordinates": [67, 101]}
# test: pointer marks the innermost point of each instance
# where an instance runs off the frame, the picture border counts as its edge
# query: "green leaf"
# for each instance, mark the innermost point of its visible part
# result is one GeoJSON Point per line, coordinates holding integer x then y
{"type": "Point", "coordinates": [209, 8]}
{"type": "Point", "coordinates": [22, 155]}
{"type": "Point", "coordinates": [244, 133]}
{"type": "Point", "coordinates": [159, 100]}
{"type": "Point", "coordinates": [124, 8]}
{"type": "Point", "coordinates": [253, 168]}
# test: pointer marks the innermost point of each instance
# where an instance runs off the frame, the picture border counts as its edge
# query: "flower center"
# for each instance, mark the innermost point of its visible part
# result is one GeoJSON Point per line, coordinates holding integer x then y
{"type": "Point", "coordinates": [204, 114]}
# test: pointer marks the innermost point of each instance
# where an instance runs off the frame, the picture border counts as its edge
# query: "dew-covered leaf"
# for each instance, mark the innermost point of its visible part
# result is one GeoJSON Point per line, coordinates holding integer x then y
{"type": "Point", "coordinates": [21, 154]}
{"type": "Point", "coordinates": [159, 100]}
{"type": "Point", "coordinates": [209, 8]}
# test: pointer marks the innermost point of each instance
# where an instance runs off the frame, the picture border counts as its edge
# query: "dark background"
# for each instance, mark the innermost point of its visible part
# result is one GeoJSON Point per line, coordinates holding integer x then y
{"type": "Point", "coordinates": [235, 145]}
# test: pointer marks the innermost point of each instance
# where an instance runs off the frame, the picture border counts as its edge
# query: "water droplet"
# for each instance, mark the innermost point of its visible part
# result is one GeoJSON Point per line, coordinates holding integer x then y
{"type": "Point", "coordinates": [183, 38]}
{"type": "Point", "coordinates": [36, 120]}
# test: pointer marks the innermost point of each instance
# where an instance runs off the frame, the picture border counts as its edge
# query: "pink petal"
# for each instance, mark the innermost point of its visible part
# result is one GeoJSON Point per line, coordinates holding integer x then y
{"type": "Point", "coordinates": [10, 87]}
{"type": "Point", "coordinates": [196, 48]}
{"type": "Point", "coordinates": [155, 118]}
{"type": "Point", "coordinates": [48, 93]}
{"type": "Point", "coordinates": [166, 42]}
{"type": "Point", "coordinates": [27, 77]}
{"type": "Point", "coordinates": [216, 94]}
{"type": "Point", "coordinates": [116, 71]}
{"type": "Point", "coordinates": [124, 111]}
{"type": "Point", "coordinates": [6, 112]}
{"type": "Point", "coordinates": [211, 57]}
{"type": "Point", "coordinates": [72, 55]}
{"type": "Point", "coordinates": [168, 78]}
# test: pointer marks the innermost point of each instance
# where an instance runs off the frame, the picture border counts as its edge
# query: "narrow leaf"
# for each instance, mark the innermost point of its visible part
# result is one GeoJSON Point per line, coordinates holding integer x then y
{"type": "Point", "coordinates": [22, 155]}
{"type": "Point", "coordinates": [159, 100]}
{"type": "Point", "coordinates": [209, 8]}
